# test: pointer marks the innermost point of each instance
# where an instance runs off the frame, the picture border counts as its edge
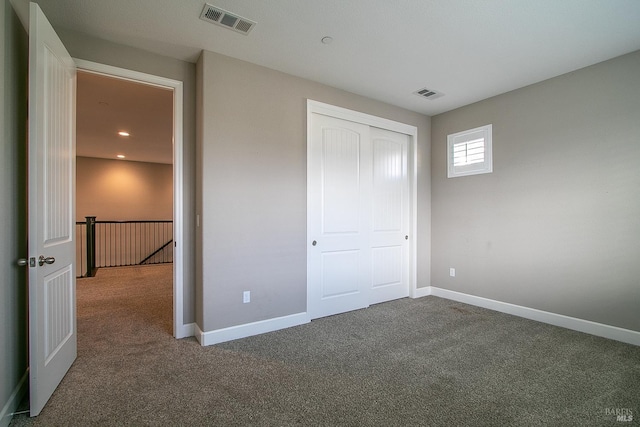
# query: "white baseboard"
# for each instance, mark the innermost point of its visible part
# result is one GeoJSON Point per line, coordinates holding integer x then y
{"type": "Point", "coordinates": [14, 400]}
{"type": "Point", "coordinates": [580, 325]}
{"type": "Point", "coordinates": [184, 331]}
{"type": "Point", "coordinates": [249, 329]}
{"type": "Point", "coordinates": [421, 292]}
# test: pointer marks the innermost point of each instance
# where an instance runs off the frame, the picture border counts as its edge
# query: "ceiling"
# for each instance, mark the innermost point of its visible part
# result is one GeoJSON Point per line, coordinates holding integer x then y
{"type": "Point", "coordinates": [468, 50]}
{"type": "Point", "coordinates": [106, 106]}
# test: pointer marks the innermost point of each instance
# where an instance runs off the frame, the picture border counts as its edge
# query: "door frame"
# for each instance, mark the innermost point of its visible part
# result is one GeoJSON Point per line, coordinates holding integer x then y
{"type": "Point", "coordinates": [180, 329]}
{"type": "Point", "coordinates": [316, 107]}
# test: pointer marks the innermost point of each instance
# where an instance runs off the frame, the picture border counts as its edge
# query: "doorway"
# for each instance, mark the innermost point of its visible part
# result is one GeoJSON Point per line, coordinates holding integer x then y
{"type": "Point", "coordinates": [153, 159]}
{"type": "Point", "coordinates": [51, 194]}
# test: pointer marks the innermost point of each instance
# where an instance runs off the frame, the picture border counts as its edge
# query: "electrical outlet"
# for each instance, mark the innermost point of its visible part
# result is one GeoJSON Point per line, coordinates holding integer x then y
{"type": "Point", "coordinates": [452, 272]}
{"type": "Point", "coordinates": [246, 297]}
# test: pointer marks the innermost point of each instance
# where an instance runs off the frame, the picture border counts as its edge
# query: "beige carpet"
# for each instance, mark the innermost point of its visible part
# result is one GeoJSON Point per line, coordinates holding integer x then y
{"type": "Point", "coordinates": [425, 362]}
{"type": "Point", "coordinates": [124, 305]}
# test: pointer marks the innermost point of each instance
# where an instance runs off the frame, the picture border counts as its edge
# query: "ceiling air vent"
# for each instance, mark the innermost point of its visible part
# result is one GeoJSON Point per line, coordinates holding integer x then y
{"type": "Point", "coordinates": [226, 19]}
{"type": "Point", "coordinates": [428, 93]}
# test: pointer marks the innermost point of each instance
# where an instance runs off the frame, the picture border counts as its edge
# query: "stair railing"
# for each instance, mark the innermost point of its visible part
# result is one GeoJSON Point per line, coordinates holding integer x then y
{"type": "Point", "coordinates": [122, 243]}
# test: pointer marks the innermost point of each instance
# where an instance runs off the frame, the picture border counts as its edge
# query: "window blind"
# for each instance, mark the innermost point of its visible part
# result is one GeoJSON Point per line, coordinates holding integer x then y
{"type": "Point", "coordinates": [468, 153]}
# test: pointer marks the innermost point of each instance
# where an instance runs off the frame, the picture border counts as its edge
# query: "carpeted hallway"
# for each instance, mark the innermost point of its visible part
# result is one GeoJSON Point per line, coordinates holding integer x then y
{"type": "Point", "coordinates": [429, 362]}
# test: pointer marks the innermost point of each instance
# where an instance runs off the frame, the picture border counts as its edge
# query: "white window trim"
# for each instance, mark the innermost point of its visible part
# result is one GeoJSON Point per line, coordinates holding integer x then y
{"type": "Point", "coordinates": [486, 166]}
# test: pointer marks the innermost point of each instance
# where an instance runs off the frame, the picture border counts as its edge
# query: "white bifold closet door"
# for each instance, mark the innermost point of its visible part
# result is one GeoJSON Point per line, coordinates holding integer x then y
{"type": "Point", "coordinates": [358, 217]}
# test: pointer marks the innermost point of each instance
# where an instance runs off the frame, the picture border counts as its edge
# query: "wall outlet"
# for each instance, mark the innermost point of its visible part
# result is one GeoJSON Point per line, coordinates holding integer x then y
{"type": "Point", "coordinates": [452, 272]}
{"type": "Point", "coordinates": [246, 297]}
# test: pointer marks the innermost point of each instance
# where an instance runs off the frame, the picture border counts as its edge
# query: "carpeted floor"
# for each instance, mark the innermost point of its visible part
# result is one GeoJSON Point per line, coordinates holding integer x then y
{"type": "Point", "coordinates": [424, 362]}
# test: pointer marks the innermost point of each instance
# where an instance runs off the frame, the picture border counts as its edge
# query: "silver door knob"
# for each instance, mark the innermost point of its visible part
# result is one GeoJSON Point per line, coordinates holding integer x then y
{"type": "Point", "coordinates": [23, 262]}
{"type": "Point", "coordinates": [314, 243]}
{"type": "Point", "coordinates": [48, 260]}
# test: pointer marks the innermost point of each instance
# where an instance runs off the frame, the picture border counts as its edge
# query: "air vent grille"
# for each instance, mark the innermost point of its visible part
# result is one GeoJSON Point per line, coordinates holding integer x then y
{"type": "Point", "coordinates": [428, 93]}
{"type": "Point", "coordinates": [229, 20]}
{"type": "Point", "coordinates": [212, 14]}
{"type": "Point", "coordinates": [244, 26]}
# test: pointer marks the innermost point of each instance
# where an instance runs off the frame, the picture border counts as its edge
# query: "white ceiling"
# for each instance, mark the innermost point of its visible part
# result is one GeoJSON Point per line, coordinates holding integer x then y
{"type": "Point", "coordinates": [106, 106]}
{"type": "Point", "coordinates": [467, 49]}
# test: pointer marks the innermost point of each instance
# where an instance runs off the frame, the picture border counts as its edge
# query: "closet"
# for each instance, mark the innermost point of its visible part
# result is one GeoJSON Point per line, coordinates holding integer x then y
{"type": "Point", "coordinates": [358, 219]}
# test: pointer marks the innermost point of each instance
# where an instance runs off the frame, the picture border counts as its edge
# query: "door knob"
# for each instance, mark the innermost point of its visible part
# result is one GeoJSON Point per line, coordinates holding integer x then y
{"type": "Point", "coordinates": [48, 260]}
{"type": "Point", "coordinates": [314, 243]}
{"type": "Point", "coordinates": [23, 262]}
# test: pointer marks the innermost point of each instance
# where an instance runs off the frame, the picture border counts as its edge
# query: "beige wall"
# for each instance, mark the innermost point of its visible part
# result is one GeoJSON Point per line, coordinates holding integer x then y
{"type": "Point", "coordinates": [556, 226]}
{"type": "Point", "coordinates": [116, 190]}
{"type": "Point", "coordinates": [13, 209]}
{"type": "Point", "coordinates": [252, 192]}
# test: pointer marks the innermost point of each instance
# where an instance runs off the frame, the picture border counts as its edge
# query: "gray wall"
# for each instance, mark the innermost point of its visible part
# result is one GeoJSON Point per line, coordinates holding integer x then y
{"type": "Point", "coordinates": [556, 226]}
{"type": "Point", "coordinates": [13, 209]}
{"type": "Point", "coordinates": [83, 46]}
{"type": "Point", "coordinates": [252, 197]}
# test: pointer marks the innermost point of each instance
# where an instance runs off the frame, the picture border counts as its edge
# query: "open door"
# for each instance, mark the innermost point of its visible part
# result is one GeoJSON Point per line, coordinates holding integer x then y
{"type": "Point", "coordinates": [51, 176]}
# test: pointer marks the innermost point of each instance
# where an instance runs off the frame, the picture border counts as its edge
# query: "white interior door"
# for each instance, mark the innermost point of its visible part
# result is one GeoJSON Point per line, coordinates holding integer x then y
{"type": "Point", "coordinates": [52, 309]}
{"type": "Point", "coordinates": [389, 216]}
{"type": "Point", "coordinates": [339, 188]}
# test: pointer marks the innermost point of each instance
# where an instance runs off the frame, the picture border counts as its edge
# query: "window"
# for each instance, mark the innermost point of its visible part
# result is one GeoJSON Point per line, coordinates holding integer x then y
{"type": "Point", "coordinates": [469, 152]}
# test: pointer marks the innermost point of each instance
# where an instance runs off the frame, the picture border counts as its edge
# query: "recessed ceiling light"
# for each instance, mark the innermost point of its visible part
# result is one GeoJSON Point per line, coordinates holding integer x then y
{"type": "Point", "coordinates": [120, 156]}
{"type": "Point", "coordinates": [327, 40]}
{"type": "Point", "coordinates": [123, 133]}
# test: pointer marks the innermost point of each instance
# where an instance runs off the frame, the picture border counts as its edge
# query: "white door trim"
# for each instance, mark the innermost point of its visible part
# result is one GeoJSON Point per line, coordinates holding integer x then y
{"type": "Point", "coordinates": [180, 329]}
{"type": "Point", "coordinates": [315, 107]}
